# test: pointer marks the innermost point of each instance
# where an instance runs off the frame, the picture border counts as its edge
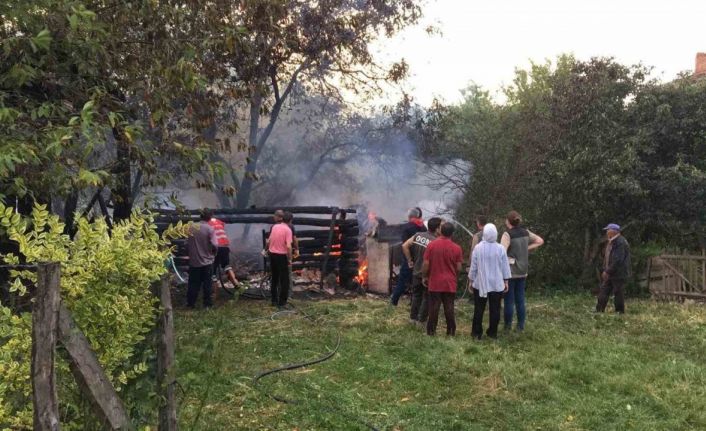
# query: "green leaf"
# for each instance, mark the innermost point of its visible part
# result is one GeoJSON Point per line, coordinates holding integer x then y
{"type": "Point", "coordinates": [42, 40]}
{"type": "Point", "coordinates": [89, 178]}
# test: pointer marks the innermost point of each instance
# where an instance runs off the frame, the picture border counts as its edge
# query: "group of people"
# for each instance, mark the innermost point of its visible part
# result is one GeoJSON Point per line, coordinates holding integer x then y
{"type": "Point", "coordinates": [497, 272]}
{"type": "Point", "coordinates": [208, 247]}
{"type": "Point", "coordinates": [432, 261]}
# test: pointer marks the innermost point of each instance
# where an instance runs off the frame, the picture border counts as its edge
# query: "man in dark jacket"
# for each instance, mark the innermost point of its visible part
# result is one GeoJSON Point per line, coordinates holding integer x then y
{"type": "Point", "coordinates": [616, 270]}
{"type": "Point", "coordinates": [414, 224]}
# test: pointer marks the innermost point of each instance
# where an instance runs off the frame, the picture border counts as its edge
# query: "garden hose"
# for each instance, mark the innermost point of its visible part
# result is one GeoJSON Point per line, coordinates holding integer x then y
{"type": "Point", "coordinates": [176, 271]}
{"type": "Point", "coordinates": [289, 367]}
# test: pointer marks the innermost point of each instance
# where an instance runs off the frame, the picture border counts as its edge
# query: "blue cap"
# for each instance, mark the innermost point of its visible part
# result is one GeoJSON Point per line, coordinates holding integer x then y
{"type": "Point", "coordinates": [612, 226]}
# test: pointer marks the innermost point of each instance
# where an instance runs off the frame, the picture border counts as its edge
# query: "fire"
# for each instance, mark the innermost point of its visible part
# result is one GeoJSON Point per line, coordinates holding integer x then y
{"type": "Point", "coordinates": [362, 277]}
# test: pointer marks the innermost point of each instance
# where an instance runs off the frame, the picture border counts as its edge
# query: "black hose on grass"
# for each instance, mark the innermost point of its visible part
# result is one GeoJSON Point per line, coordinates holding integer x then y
{"type": "Point", "coordinates": [289, 367]}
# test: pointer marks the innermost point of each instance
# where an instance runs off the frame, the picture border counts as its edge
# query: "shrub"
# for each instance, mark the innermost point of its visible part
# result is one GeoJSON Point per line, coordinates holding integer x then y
{"type": "Point", "coordinates": [105, 283]}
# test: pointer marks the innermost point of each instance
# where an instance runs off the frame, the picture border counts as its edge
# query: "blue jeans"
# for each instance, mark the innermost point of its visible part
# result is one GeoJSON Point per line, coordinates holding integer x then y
{"type": "Point", "coordinates": [515, 297]}
{"type": "Point", "coordinates": [403, 280]}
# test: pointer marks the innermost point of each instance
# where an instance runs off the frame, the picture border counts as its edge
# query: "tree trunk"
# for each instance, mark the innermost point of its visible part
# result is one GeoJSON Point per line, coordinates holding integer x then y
{"type": "Point", "coordinates": [254, 147]}
{"type": "Point", "coordinates": [70, 206]}
{"type": "Point", "coordinates": [122, 191]}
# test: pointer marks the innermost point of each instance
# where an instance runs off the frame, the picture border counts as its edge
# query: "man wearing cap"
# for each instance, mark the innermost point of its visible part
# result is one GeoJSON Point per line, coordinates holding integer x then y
{"type": "Point", "coordinates": [616, 269]}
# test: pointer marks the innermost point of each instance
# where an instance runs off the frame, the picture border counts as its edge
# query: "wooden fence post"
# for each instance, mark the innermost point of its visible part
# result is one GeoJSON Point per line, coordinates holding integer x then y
{"type": "Point", "coordinates": [89, 375]}
{"type": "Point", "coordinates": [165, 358]}
{"type": "Point", "coordinates": [45, 317]}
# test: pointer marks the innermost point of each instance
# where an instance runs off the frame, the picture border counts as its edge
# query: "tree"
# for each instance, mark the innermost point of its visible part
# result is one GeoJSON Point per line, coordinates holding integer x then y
{"type": "Point", "coordinates": [98, 93]}
{"type": "Point", "coordinates": [312, 48]}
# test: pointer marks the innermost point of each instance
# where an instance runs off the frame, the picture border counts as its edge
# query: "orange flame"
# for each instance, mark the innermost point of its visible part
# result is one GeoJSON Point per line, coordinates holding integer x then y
{"type": "Point", "coordinates": [362, 277]}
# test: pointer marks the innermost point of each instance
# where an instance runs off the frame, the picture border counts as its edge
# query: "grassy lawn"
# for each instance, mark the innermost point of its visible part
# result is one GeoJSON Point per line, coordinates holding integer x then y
{"type": "Point", "coordinates": [570, 370]}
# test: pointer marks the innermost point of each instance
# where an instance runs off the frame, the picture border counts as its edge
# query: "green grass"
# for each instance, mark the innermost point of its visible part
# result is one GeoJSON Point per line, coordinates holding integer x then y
{"type": "Point", "coordinates": [570, 370]}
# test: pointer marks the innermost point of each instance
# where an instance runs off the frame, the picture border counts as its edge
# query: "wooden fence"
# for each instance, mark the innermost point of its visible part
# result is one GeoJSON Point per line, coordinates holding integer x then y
{"type": "Point", "coordinates": [678, 277]}
{"type": "Point", "coordinates": [52, 323]}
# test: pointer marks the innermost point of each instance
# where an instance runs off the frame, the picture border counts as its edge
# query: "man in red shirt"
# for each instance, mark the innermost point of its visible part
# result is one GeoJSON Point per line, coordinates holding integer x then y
{"type": "Point", "coordinates": [223, 253]}
{"type": "Point", "coordinates": [442, 262]}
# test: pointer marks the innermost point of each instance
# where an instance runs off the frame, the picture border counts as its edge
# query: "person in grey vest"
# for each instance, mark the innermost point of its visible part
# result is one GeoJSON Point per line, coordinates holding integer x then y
{"type": "Point", "coordinates": [518, 243]}
{"type": "Point", "coordinates": [413, 250]}
{"type": "Point", "coordinates": [616, 270]}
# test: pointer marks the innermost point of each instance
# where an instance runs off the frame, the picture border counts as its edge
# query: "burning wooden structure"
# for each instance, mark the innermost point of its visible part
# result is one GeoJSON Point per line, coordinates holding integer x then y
{"type": "Point", "coordinates": [330, 239]}
{"type": "Point", "coordinates": [384, 248]}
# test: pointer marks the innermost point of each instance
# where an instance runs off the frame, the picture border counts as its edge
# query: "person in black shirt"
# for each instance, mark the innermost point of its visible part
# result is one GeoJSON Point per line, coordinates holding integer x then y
{"type": "Point", "coordinates": [414, 224]}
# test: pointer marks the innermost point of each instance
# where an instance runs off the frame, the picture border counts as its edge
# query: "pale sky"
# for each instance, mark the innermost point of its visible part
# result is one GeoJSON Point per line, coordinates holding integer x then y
{"type": "Point", "coordinates": [483, 41]}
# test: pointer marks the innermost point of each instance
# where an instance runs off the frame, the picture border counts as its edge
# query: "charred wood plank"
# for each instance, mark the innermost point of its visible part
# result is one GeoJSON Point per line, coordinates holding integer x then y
{"type": "Point", "coordinates": [315, 243]}
{"type": "Point", "coordinates": [312, 265]}
{"type": "Point", "coordinates": [163, 221]}
{"type": "Point", "coordinates": [263, 210]}
{"type": "Point", "coordinates": [45, 321]}
{"type": "Point", "coordinates": [314, 234]}
{"type": "Point", "coordinates": [327, 253]}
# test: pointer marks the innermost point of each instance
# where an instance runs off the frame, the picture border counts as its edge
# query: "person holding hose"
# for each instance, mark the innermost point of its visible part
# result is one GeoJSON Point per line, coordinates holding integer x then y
{"type": "Point", "coordinates": [201, 245]}
{"type": "Point", "coordinates": [222, 258]}
{"type": "Point", "coordinates": [414, 224]}
{"type": "Point", "coordinates": [413, 250]}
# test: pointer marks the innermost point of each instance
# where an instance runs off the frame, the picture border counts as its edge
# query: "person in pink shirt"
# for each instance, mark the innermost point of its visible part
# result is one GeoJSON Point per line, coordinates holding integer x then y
{"type": "Point", "coordinates": [279, 247]}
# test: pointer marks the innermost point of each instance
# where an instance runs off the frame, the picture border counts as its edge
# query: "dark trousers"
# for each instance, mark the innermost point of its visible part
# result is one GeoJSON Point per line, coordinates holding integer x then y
{"type": "Point", "coordinates": [617, 288]}
{"type": "Point", "coordinates": [435, 301]}
{"type": "Point", "coordinates": [494, 298]}
{"type": "Point", "coordinates": [279, 265]}
{"type": "Point", "coordinates": [403, 280]}
{"type": "Point", "coordinates": [515, 298]}
{"type": "Point", "coordinates": [200, 279]}
{"type": "Point", "coordinates": [420, 298]}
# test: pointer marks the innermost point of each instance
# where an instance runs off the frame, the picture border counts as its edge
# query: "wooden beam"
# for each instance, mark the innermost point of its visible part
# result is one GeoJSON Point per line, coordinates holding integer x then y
{"type": "Point", "coordinates": [89, 375]}
{"type": "Point", "coordinates": [676, 272]}
{"type": "Point", "coordinates": [163, 221]}
{"type": "Point", "coordinates": [45, 316]}
{"type": "Point", "coordinates": [165, 359]}
{"type": "Point", "coordinates": [263, 210]}
{"type": "Point", "coordinates": [327, 252]}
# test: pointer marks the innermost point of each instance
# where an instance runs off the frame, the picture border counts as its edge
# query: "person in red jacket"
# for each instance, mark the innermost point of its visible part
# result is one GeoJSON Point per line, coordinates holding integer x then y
{"type": "Point", "coordinates": [223, 253]}
{"type": "Point", "coordinates": [442, 262]}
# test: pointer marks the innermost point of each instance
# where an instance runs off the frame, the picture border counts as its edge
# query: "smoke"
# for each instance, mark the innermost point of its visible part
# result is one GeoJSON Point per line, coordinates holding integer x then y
{"type": "Point", "coordinates": [320, 154]}
{"type": "Point", "coordinates": [381, 169]}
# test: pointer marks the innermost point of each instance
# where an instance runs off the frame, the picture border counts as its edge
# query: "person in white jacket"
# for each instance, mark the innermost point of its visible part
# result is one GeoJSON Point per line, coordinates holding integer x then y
{"type": "Point", "coordinates": [488, 276]}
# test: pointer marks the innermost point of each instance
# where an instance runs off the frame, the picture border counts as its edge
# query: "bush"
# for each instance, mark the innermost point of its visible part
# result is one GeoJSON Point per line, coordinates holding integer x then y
{"type": "Point", "coordinates": [105, 283]}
